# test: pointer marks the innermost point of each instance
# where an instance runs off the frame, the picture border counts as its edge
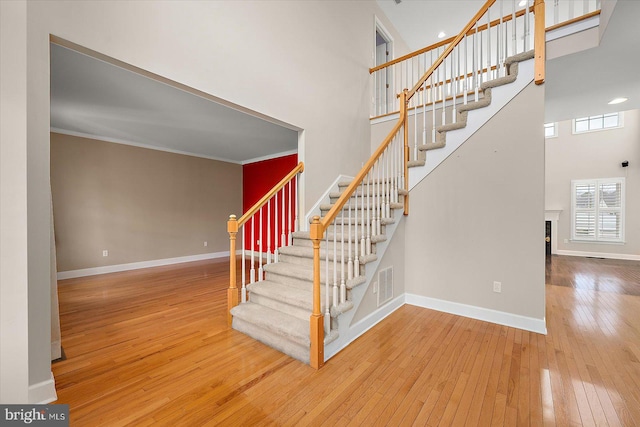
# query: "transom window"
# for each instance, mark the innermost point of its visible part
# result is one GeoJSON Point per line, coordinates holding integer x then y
{"type": "Point", "coordinates": [550, 130]}
{"type": "Point", "coordinates": [598, 210]}
{"type": "Point", "coordinates": [600, 122]}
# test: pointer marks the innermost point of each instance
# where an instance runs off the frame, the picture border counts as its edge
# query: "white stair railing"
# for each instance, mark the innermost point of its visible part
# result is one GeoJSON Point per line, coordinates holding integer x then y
{"type": "Point", "coordinates": [264, 229]}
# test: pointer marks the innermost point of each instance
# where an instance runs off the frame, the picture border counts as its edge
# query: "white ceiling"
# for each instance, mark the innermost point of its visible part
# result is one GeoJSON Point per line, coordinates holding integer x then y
{"type": "Point", "coordinates": [93, 98]}
{"type": "Point", "coordinates": [576, 85]}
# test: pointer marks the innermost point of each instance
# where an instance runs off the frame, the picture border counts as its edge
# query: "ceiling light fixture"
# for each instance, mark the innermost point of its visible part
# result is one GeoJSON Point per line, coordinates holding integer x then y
{"type": "Point", "coordinates": [522, 3]}
{"type": "Point", "coordinates": [617, 101]}
{"type": "Point", "coordinates": [441, 34]}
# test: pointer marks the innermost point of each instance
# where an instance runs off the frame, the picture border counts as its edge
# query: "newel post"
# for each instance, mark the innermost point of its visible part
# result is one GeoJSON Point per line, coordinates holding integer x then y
{"type": "Point", "coordinates": [539, 41]}
{"type": "Point", "coordinates": [316, 356]}
{"type": "Point", "coordinates": [403, 112]}
{"type": "Point", "coordinates": [232, 292]}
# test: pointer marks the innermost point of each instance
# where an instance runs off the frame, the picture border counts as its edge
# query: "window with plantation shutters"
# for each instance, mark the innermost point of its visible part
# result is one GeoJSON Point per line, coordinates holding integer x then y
{"type": "Point", "coordinates": [598, 210]}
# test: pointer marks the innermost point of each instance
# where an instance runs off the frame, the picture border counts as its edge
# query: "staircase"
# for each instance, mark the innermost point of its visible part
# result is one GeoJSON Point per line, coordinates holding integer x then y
{"type": "Point", "coordinates": [278, 307]}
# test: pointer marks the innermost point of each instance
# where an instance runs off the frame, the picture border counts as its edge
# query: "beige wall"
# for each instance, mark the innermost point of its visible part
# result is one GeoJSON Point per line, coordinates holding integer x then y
{"type": "Point", "coordinates": [595, 155]}
{"type": "Point", "coordinates": [304, 63]}
{"type": "Point", "coordinates": [479, 217]}
{"type": "Point", "coordinates": [138, 204]}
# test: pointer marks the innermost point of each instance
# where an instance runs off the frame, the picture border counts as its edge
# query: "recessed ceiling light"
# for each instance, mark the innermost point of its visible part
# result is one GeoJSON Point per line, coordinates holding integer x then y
{"type": "Point", "coordinates": [617, 101]}
{"type": "Point", "coordinates": [522, 3]}
{"type": "Point", "coordinates": [441, 34]}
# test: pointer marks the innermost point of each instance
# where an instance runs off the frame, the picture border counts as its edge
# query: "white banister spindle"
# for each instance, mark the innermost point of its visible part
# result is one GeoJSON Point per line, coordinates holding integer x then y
{"type": "Point", "coordinates": [379, 206]}
{"type": "Point", "coordinates": [368, 208]}
{"type": "Point", "coordinates": [296, 206]}
{"type": "Point", "coordinates": [243, 294]}
{"type": "Point", "coordinates": [253, 251]}
{"type": "Point", "coordinates": [356, 260]}
{"type": "Point", "coordinates": [269, 231]}
{"type": "Point", "coordinates": [465, 86]}
{"type": "Point", "coordinates": [342, 257]}
{"type": "Point", "coordinates": [335, 264]}
{"type": "Point", "coordinates": [283, 236]}
{"type": "Point", "coordinates": [363, 243]}
{"type": "Point", "coordinates": [290, 220]}
{"type": "Point", "coordinates": [424, 115]}
{"type": "Point", "coordinates": [261, 238]}
{"type": "Point", "coordinates": [415, 128]}
{"type": "Point", "coordinates": [327, 281]}
{"type": "Point", "coordinates": [514, 39]}
{"type": "Point", "coordinates": [489, 71]}
{"type": "Point", "coordinates": [275, 231]}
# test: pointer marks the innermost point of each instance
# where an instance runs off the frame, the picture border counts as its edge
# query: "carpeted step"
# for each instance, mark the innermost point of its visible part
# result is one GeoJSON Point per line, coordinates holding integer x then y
{"type": "Point", "coordinates": [301, 276]}
{"type": "Point", "coordinates": [291, 300]}
{"type": "Point", "coordinates": [278, 330]}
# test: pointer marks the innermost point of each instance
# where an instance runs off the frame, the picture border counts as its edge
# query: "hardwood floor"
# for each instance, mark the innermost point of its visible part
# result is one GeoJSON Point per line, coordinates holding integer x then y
{"type": "Point", "coordinates": [151, 347]}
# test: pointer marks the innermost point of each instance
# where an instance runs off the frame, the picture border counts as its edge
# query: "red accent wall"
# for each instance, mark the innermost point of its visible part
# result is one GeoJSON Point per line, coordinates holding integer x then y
{"type": "Point", "coordinates": [257, 179]}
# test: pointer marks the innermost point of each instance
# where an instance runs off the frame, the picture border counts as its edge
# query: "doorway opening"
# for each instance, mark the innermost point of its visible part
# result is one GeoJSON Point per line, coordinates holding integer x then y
{"type": "Point", "coordinates": [383, 80]}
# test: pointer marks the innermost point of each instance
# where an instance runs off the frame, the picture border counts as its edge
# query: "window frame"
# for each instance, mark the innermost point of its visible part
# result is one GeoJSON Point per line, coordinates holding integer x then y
{"type": "Point", "coordinates": [597, 210]}
{"type": "Point", "coordinates": [555, 130]}
{"type": "Point", "coordinates": [603, 128]}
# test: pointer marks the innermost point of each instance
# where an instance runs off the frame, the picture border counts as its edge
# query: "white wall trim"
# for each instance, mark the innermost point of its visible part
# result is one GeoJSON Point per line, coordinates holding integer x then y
{"type": "Point", "coordinates": [56, 350]}
{"type": "Point", "coordinates": [628, 257]}
{"type": "Point", "coordinates": [71, 274]}
{"type": "Point", "coordinates": [577, 27]}
{"type": "Point", "coordinates": [269, 157]}
{"type": "Point", "coordinates": [43, 392]}
{"type": "Point", "coordinates": [485, 314]}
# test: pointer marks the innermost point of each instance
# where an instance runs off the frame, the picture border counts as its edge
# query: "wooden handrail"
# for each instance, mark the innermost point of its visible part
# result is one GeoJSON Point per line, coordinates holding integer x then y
{"type": "Point", "coordinates": [255, 208]}
{"type": "Point", "coordinates": [540, 42]}
{"type": "Point", "coordinates": [346, 194]}
{"type": "Point", "coordinates": [471, 32]}
{"type": "Point", "coordinates": [574, 20]}
{"type": "Point", "coordinates": [451, 46]}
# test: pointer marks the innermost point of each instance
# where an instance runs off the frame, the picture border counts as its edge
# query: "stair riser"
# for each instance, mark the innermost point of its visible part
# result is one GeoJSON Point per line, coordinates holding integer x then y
{"type": "Point", "coordinates": [354, 230]}
{"type": "Point", "coordinates": [280, 343]}
{"type": "Point", "coordinates": [302, 313]}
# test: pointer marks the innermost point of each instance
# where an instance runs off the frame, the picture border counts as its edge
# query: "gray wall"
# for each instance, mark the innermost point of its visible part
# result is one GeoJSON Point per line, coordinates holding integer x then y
{"type": "Point", "coordinates": [479, 217]}
{"type": "Point", "coordinates": [138, 204]}
{"type": "Point", "coordinates": [588, 156]}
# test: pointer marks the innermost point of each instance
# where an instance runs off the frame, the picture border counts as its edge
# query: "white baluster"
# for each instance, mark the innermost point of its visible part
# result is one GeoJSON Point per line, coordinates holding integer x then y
{"type": "Point", "coordinates": [368, 207]}
{"type": "Point", "coordinates": [489, 71]}
{"type": "Point", "coordinates": [283, 236]}
{"type": "Point", "coordinates": [514, 39]}
{"type": "Point", "coordinates": [327, 306]}
{"type": "Point", "coordinates": [466, 72]}
{"type": "Point", "coordinates": [269, 231]}
{"type": "Point", "coordinates": [335, 264]}
{"type": "Point", "coordinates": [454, 83]}
{"type": "Point", "coordinates": [476, 86]}
{"type": "Point", "coordinates": [243, 294]}
{"type": "Point", "coordinates": [378, 205]}
{"type": "Point", "coordinates": [356, 261]}
{"type": "Point", "coordinates": [350, 260]}
{"type": "Point", "coordinates": [260, 249]}
{"type": "Point", "coordinates": [342, 256]}
{"type": "Point", "coordinates": [275, 231]}
{"type": "Point", "coordinates": [296, 224]}
{"type": "Point", "coordinates": [363, 244]}
{"type": "Point", "coordinates": [289, 225]}
{"type": "Point", "coordinates": [433, 103]}
{"type": "Point", "coordinates": [253, 250]}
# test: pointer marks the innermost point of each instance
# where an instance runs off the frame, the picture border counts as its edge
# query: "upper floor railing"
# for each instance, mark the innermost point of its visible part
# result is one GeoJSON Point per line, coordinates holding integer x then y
{"type": "Point", "coordinates": [505, 30]}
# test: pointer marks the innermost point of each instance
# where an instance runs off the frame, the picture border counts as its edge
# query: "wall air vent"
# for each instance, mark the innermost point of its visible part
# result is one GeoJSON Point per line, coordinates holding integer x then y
{"type": "Point", "coordinates": [385, 286]}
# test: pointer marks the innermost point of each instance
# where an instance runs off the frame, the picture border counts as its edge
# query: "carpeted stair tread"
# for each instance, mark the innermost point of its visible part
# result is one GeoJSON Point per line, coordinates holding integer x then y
{"type": "Point", "coordinates": [416, 163]}
{"type": "Point", "coordinates": [305, 235]}
{"type": "Point", "coordinates": [281, 323]}
{"type": "Point", "coordinates": [294, 296]}
{"type": "Point", "coordinates": [431, 146]}
{"type": "Point", "coordinates": [371, 204]}
{"type": "Point", "coordinates": [307, 252]}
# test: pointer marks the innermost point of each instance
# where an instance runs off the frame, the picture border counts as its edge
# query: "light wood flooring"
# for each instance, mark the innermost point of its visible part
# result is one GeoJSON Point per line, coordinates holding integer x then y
{"type": "Point", "coordinates": [151, 347]}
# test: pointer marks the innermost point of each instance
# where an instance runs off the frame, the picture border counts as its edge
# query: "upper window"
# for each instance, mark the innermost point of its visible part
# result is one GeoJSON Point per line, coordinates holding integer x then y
{"type": "Point", "coordinates": [597, 210]}
{"type": "Point", "coordinates": [550, 130]}
{"type": "Point", "coordinates": [600, 122]}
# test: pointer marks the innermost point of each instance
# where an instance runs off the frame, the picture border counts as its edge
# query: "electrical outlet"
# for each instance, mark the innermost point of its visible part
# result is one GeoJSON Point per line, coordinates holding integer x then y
{"type": "Point", "coordinates": [206, 243]}
{"type": "Point", "coordinates": [105, 253]}
{"type": "Point", "coordinates": [497, 287]}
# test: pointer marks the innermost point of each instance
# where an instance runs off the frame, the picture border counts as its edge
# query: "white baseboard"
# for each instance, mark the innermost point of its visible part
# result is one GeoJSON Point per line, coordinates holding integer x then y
{"type": "Point", "coordinates": [71, 274]}
{"type": "Point", "coordinates": [628, 257]}
{"type": "Point", "coordinates": [43, 392]}
{"type": "Point", "coordinates": [56, 350]}
{"type": "Point", "coordinates": [485, 314]}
